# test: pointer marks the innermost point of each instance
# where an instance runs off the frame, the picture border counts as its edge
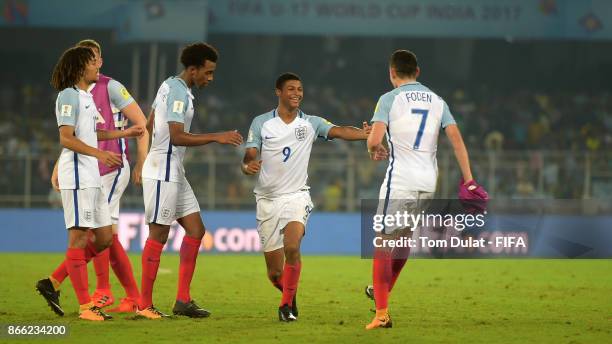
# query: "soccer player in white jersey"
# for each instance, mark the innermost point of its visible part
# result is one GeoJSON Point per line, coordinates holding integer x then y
{"type": "Point", "coordinates": [114, 182]}
{"type": "Point", "coordinates": [283, 137]}
{"type": "Point", "coordinates": [84, 203]}
{"type": "Point", "coordinates": [116, 106]}
{"type": "Point", "coordinates": [167, 193]}
{"type": "Point", "coordinates": [411, 116]}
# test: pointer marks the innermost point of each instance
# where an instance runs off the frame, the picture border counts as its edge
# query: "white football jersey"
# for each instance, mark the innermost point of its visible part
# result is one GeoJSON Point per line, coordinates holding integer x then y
{"type": "Point", "coordinates": [285, 151]}
{"type": "Point", "coordinates": [413, 115]}
{"type": "Point", "coordinates": [173, 103]}
{"type": "Point", "coordinates": [76, 108]}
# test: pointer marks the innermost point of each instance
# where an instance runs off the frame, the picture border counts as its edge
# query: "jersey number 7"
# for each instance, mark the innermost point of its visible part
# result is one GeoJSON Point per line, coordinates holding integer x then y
{"type": "Point", "coordinates": [419, 135]}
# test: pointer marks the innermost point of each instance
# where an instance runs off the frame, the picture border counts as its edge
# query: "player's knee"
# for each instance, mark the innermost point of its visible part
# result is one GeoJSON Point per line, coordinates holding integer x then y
{"type": "Point", "coordinates": [198, 234]}
{"type": "Point", "coordinates": [104, 244]}
{"type": "Point", "coordinates": [161, 237]}
{"type": "Point", "coordinates": [274, 275]}
{"type": "Point", "coordinates": [158, 234]}
{"type": "Point", "coordinates": [103, 238]}
{"type": "Point", "coordinates": [77, 239]}
{"type": "Point", "coordinates": [292, 252]}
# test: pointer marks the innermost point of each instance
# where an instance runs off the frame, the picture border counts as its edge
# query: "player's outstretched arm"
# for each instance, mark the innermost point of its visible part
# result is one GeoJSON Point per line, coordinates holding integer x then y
{"type": "Point", "coordinates": [133, 131]}
{"type": "Point", "coordinates": [461, 154]}
{"type": "Point", "coordinates": [137, 117]}
{"type": "Point", "coordinates": [349, 133]}
{"type": "Point", "coordinates": [250, 164]}
{"type": "Point", "coordinates": [178, 137]}
{"type": "Point", "coordinates": [71, 142]}
{"type": "Point", "coordinates": [376, 149]}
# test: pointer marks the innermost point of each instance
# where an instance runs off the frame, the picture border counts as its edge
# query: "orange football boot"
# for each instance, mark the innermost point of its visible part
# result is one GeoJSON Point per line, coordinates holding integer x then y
{"type": "Point", "coordinates": [92, 313]}
{"type": "Point", "coordinates": [152, 313]}
{"type": "Point", "coordinates": [102, 298]}
{"type": "Point", "coordinates": [381, 320]}
{"type": "Point", "coordinates": [127, 305]}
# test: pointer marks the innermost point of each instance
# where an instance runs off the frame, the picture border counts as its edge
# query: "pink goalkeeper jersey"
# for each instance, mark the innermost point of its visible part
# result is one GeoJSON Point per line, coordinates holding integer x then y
{"type": "Point", "coordinates": [110, 97]}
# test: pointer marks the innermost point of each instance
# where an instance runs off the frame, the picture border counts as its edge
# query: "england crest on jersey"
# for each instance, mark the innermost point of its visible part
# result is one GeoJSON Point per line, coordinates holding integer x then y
{"type": "Point", "coordinates": [300, 133]}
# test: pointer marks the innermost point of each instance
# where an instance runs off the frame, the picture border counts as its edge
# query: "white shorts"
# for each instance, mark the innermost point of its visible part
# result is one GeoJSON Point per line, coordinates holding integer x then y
{"type": "Point", "coordinates": [168, 201]}
{"type": "Point", "coordinates": [86, 208]}
{"type": "Point", "coordinates": [114, 184]}
{"type": "Point", "coordinates": [410, 202]}
{"type": "Point", "coordinates": [274, 214]}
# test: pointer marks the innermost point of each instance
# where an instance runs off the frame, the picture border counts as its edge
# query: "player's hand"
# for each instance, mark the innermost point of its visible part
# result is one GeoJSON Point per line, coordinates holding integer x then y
{"type": "Point", "coordinates": [379, 153]}
{"type": "Point", "coordinates": [252, 167]}
{"type": "Point", "coordinates": [109, 159]}
{"type": "Point", "coordinates": [471, 190]}
{"type": "Point", "coordinates": [367, 128]}
{"type": "Point", "coordinates": [134, 131]}
{"type": "Point", "coordinates": [232, 137]}
{"type": "Point", "coordinates": [137, 174]}
{"type": "Point", "coordinates": [55, 180]}
{"type": "Point", "coordinates": [473, 197]}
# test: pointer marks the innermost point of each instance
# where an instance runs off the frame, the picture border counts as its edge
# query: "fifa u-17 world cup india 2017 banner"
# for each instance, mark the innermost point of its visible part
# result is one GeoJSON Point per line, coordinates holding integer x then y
{"type": "Point", "coordinates": [190, 20]}
{"type": "Point", "coordinates": [544, 19]}
{"type": "Point", "coordinates": [504, 235]}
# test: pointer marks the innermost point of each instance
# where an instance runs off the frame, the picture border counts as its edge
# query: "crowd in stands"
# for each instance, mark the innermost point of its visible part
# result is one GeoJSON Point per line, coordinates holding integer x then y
{"type": "Point", "coordinates": [519, 121]}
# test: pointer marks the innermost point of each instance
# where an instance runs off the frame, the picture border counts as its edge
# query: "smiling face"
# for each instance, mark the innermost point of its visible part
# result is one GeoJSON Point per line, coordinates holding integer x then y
{"type": "Point", "coordinates": [92, 71]}
{"type": "Point", "coordinates": [291, 94]}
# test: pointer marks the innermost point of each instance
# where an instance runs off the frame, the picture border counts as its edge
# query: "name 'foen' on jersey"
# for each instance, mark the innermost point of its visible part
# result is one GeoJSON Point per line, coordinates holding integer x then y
{"type": "Point", "coordinates": [419, 96]}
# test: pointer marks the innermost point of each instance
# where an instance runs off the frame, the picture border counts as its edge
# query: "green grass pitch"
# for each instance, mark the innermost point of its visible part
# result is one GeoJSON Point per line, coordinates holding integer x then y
{"type": "Point", "coordinates": [434, 301]}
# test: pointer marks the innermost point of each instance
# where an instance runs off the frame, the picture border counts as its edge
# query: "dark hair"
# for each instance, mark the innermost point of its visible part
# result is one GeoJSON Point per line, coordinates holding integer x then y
{"type": "Point", "coordinates": [283, 78]}
{"type": "Point", "coordinates": [90, 43]}
{"type": "Point", "coordinates": [196, 54]}
{"type": "Point", "coordinates": [70, 67]}
{"type": "Point", "coordinates": [404, 62]}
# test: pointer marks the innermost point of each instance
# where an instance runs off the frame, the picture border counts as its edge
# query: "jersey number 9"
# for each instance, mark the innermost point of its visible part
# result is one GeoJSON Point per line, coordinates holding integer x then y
{"type": "Point", "coordinates": [286, 153]}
